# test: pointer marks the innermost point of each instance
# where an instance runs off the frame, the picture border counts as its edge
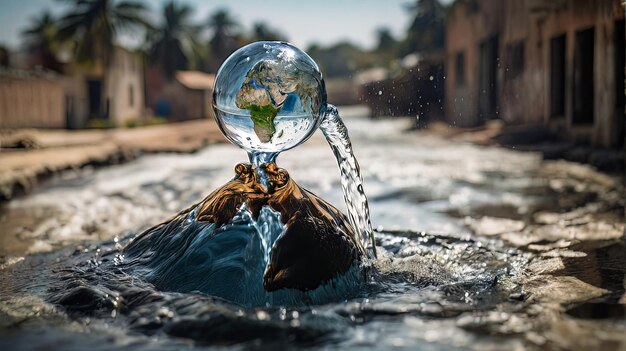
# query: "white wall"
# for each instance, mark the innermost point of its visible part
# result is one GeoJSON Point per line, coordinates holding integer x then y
{"type": "Point", "coordinates": [124, 74]}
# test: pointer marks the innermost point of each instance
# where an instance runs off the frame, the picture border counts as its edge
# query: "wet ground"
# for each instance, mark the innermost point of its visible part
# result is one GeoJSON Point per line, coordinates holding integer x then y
{"type": "Point", "coordinates": [480, 248]}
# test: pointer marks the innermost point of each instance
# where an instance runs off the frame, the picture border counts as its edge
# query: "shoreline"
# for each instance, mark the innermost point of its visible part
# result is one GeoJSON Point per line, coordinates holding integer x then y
{"type": "Point", "coordinates": [37, 155]}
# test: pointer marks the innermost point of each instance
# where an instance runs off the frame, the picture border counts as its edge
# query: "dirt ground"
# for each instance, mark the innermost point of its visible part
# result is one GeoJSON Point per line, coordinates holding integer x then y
{"type": "Point", "coordinates": [28, 156]}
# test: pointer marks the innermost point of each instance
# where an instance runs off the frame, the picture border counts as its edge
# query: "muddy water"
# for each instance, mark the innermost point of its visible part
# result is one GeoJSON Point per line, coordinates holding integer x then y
{"type": "Point", "coordinates": [478, 248]}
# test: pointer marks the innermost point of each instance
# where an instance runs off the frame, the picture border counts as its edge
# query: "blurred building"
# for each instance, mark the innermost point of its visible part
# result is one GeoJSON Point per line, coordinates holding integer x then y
{"type": "Point", "coordinates": [185, 96]}
{"type": "Point", "coordinates": [31, 99]}
{"type": "Point", "coordinates": [114, 94]}
{"type": "Point", "coordinates": [558, 63]}
{"type": "Point", "coordinates": [342, 91]}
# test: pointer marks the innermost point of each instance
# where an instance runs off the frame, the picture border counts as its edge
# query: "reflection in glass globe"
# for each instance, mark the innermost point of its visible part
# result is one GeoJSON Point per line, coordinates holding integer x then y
{"type": "Point", "coordinates": [269, 97]}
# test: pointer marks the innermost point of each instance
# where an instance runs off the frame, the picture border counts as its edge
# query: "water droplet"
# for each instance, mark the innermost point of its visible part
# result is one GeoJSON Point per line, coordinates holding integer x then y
{"type": "Point", "coordinates": [262, 315]}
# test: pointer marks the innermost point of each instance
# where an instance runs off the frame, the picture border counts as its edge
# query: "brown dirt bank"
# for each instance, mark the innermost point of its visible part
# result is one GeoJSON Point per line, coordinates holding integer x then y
{"type": "Point", "coordinates": [30, 156]}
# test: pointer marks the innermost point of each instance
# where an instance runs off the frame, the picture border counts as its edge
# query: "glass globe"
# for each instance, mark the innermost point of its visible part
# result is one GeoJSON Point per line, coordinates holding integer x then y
{"type": "Point", "coordinates": [269, 97]}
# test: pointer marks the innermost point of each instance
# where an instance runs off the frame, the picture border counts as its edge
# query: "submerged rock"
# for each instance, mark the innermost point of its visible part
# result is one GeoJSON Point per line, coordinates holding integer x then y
{"type": "Point", "coordinates": [250, 238]}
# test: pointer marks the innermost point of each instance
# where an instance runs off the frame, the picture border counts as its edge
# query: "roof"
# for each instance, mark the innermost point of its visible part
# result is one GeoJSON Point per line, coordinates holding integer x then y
{"type": "Point", "coordinates": [37, 73]}
{"type": "Point", "coordinates": [195, 80]}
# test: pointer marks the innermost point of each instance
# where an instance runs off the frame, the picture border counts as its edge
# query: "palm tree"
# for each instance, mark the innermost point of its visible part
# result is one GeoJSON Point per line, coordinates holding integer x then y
{"type": "Point", "coordinates": [42, 41]}
{"type": "Point", "coordinates": [223, 41]}
{"type": "Point", "coordinates": [173, 43]}
{"type": "Point", "coordinates": [427, 31]}
{"type": "Point", "coordinates": [260, 31]}
{"type": "Point", "coordinates": [386, 41]}
{"type": "Point", "coordinates": [95, 24]}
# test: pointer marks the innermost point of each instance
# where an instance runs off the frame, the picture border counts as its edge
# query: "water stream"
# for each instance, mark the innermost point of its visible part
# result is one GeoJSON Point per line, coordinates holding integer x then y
{"type": "Point", "coordinates": [336, 134]}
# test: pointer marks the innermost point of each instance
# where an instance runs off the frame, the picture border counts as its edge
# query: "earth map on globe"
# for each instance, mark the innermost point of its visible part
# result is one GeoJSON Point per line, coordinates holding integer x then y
{"type": "Point", "coordinates": [271, 86]}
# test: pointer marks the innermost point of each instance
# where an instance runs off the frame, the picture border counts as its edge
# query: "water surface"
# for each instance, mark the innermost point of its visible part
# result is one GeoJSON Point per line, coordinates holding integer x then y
{"type": "Point", "coordinates": [437, 285]}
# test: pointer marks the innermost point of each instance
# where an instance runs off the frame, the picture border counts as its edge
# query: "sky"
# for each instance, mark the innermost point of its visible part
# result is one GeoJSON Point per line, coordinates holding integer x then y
{"type": "Point", "coordinates": [304, 22]}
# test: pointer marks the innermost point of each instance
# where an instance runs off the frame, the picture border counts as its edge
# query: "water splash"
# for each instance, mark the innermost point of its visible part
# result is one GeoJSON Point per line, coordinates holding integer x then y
{"type": "Point", "coordinates": [257, 159]}
{"type": "Point", "coordinates": [185, 255]}
{"type": "Point", "coordinates": [336, 134]}
{"type": "Point", "coordinates": [426, 278]}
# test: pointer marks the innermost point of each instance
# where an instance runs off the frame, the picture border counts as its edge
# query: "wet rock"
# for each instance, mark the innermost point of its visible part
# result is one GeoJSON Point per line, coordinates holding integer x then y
{"type": "Point", "coordinates": [498, 323]}
{"type": "Point", "coordinates": [18, 310]}
{"type": "Point", "coordinates": [567, 333]}
{"type": "Point", "coordinates": [490, 226]}
{"type": "Point", "coordinates": [561, 289]}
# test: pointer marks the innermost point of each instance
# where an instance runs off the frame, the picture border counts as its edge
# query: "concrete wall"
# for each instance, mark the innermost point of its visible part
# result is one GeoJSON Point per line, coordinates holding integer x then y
{"type": "Point", "coordinates": [188, 104]}
{"type": "Point", "coordinates": [124, 87]}
{"type": "Point", "coordinates": [468, 25]}
{"type": "Point", "coordinates": [526, 97]}
{"type": "Point", "coordinates": [76, 99]}
{"type": "Point", "coordinates": [185, 103]}
{"type": "Point", "coordinates": [123, 78]}
{"type": "Point", "coordinates": [28, 100]}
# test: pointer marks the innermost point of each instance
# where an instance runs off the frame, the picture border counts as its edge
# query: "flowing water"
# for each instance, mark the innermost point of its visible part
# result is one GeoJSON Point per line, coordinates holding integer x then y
{"type": "Point", "coordinates": [351, 180]}
{"type": "Point", "coordinates": [65, 282]}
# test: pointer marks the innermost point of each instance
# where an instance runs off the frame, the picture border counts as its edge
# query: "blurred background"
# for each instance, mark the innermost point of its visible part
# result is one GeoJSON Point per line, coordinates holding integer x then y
{"type": "Point", "coordinates": [123, 63]}
{"type": "Point", "coordinates": [543, 75]}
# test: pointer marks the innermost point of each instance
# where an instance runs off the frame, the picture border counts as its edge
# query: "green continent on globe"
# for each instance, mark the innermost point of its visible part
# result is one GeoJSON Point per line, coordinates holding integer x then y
{"type": "Point", "coordinates": [263, 119]}
{"type": "Point", "coordinates": [261, 108]}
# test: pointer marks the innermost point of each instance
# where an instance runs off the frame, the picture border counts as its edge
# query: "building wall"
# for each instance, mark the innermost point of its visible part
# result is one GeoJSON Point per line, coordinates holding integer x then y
{"type": "Point", "coordinates": [188, 104]}
{"type": "Point", "coordinates": [30, 101]}
{"type": "Point", "coordinates": [522, 97]}
{"type": "Point", "coordinates": [124, 77]}
{"type": "Point", "coordinates": [75, 99]}
{"type": "Point", "coordinates": [469, 24]}
{"type": "Point", "coordinates": [526, 96]}
{"type": "Point", "coordinates": [124, 87]}
{"type": "Point", "coordinates": [183, 103]}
